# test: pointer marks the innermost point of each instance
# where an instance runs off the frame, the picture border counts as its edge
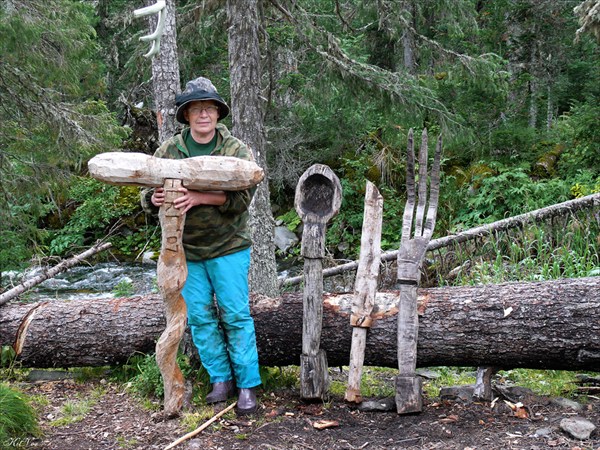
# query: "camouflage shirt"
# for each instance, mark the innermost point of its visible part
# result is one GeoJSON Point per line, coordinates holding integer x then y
{"type": "Point", "coordinates": [211, 231]}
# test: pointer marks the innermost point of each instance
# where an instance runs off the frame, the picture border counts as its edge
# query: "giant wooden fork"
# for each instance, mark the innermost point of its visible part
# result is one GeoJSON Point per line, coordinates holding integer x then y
{"type": "Point", "coordinates": [413, 246]}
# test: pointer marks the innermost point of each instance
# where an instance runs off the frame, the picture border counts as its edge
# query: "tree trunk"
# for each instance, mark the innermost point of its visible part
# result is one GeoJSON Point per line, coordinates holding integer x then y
{"type": "Point", "coordinates": [248, 126]}
{"type": "Point", "coordinates": [165, 73]}
{"type": "Point", "coordinates": [552, 325]}
{"type": "Point", "coordinates": [533, 88]}
{"type": "Point", "coordinates": [408, 40]}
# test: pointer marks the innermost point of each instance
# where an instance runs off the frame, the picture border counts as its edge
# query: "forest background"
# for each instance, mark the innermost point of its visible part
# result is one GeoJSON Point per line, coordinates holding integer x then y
{"type": "Point", "coordinates": [510, 84]}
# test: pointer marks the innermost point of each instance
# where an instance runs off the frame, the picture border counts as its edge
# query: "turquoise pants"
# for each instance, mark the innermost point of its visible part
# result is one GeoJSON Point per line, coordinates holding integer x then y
{"type": "Point", "coordinates": [223, 332]}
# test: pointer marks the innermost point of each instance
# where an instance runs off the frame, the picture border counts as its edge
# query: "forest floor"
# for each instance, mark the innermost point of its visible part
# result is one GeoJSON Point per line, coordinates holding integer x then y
{"type": "Point", "coordinates": [115, 419]}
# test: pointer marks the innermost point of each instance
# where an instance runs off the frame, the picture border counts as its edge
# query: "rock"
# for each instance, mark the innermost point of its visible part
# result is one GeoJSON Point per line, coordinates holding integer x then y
{"type": "Point", "coordinates": [149, 258]}
{"type": "Point", "coordinates": [566, 403]}
{"type": "Point", "coordinates": [49, 375]}
{"type": "Point", "coordinates": [426, 373]}
{"type": "Point", "coordinates": [284, 238]}
{"type": "Point", "coordinates": [577, 427]}
{"type": "Point", "coordinates": [195, 444]}
{"type": "Point", "coordinates": [383, 404]}
{"type": "Point", "coordinates": [586, 379]}
{"type": "Point", "coordinates": [543, 432]}
{"type": "Point", "coordinates": [463, 392]}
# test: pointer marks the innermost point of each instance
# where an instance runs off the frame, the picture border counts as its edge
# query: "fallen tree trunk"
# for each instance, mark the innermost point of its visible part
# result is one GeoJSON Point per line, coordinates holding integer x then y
{"type": "Point", "coordinates": [545, 325]}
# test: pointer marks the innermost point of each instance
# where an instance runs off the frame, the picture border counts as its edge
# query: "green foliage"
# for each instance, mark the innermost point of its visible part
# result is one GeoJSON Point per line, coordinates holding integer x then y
{"type": "Point", "coordinates": [97, 205]}
{"type": "Point", "coordinates": [132, 243]}
{"type": "Point", "coordinates": [512, 140]}
{"type": "Point", "coordinates": [580, 129]}
{"type": "Point", "coordinates": [274, 378]}
{"type": "Point", "coordinates": [537, 253]}
{"type": "Point", "coordinates": [14, 255]}
{"type": "Point", "coordinates": [291, 219]}
{"type": "Point", "coordinates": [7, 356]}
{"type": "Point", "coordinates": [504, 193]}
{"type": "Point", "coordinates": [553, 383]}
{"type": "Point", "coordinates": [18, 418]}
{"type": "Point", "coordinates": [144, 378]}
{"type": "Point", "coordinates": [344, 231]}
{"type": "Point", "coordinates": [53, 116]}
{"type": "Point", "coordinates": [124, 288]}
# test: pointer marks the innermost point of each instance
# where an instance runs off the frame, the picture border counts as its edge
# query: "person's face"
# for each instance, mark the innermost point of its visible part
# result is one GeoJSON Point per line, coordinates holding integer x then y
{"type": "Point", "coordinates": [202, 116]}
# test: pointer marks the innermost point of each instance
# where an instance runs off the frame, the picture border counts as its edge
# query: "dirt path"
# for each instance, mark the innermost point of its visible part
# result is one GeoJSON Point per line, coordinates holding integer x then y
{"type": "Point", "coordinates": [115, 420]}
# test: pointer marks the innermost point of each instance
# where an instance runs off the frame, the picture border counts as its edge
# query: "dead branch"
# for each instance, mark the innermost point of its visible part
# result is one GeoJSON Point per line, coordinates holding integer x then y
{"type": "Point", "coordinates": [538, 215]}
{"type": "Point", "coordinates": [200, 428]}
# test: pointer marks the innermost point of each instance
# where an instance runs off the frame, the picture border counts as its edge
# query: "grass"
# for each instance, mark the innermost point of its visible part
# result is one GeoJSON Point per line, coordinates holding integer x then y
{"type": "Point", "coordinates": [122, 442]}
{"type": "Point", "coordinates": [553, 383]}
{"type": "Point", "coordinates": [536, 253]}
{"type": "Point", "coordinates": [18, 419]}
{"type": "Point", "coordinates": [375, 382]}
{"type": "Point", "coordinates": [192, 420]}
{"type": "Point", "coordinates": [447, 376]}
{"type": "Point", "coordinates": [73, 411]}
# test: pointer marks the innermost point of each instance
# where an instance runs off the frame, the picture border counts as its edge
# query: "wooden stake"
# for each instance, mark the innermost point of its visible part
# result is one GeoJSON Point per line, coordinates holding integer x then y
{"type": "Point", "coordinates": [200, 428]}
{"type": "Point", "coordinates": [365, 288]}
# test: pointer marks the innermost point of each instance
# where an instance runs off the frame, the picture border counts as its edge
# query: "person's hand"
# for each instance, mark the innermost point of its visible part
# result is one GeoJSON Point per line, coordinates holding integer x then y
{"type": "Point", "coordinates": [188, 200]}
{"type": "Point", "coordinates": [191, 198]}
{"type": "Point", "coordinates": [158, 197]}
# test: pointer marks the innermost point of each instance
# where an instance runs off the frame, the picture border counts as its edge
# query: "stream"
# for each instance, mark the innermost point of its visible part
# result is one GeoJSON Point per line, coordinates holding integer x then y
{"type": "Point", "coordinates": [103, 280]}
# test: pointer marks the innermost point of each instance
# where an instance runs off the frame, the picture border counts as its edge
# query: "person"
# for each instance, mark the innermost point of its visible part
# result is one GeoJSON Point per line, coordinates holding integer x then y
{"type": "Point", "coordinates": [217, 250]}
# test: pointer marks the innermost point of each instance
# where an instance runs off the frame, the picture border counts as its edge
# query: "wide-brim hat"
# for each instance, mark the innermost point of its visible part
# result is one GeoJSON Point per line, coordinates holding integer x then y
{"type": "Point", "coordinates": [199, 89]}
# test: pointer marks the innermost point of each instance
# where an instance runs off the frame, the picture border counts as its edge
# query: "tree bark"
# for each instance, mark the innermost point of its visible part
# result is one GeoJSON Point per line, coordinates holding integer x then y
{"type": "Point", "coordinates": [552, 325]}
{"type": "Point", "coordinates": [408, 39]}
{"type": "Point", "coordinates": [248, 125]}
{"type": "Point", "coordinates": [165, 73]}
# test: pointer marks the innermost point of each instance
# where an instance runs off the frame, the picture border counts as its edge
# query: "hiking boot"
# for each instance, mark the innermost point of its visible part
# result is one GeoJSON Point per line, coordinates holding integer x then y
{"type": "Point", "coordinates": [246, 403]}
{"type": "Point", "coordinates": [221, 392]}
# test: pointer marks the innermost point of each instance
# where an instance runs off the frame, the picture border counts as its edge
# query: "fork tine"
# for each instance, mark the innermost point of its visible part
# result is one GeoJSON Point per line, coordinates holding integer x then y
{"type": "Point", "coordinates": [422, 185]}
{"type": "Point", "coordinates": [434, 190]}
{"type": "Point", "coordinates": [407, 218]}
